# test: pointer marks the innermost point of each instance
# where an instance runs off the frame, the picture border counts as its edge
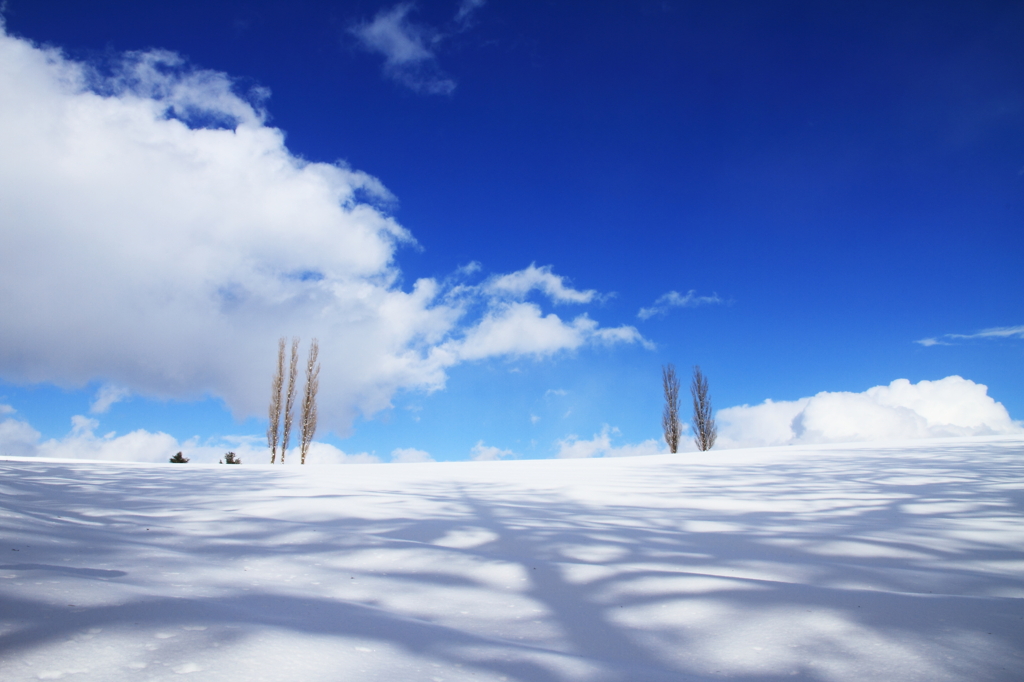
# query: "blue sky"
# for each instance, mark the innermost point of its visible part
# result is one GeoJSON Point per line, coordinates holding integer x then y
{"type": "Point", "coordinates": [839, 185]}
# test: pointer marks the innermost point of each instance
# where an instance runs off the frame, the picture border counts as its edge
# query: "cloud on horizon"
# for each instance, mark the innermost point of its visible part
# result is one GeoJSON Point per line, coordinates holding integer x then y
{"type": "Point", "coordinates": [19, 439]}
{"type": "Point", "coordinates": [159, 237]}
{"type": "Point", "coordinates": [949, 407]}
{"type": "Point", "coordinates": [410, 456]}
{"type": "Point", "coordinates": [573, 447]}
{"type": "Point", "coordinates": [488, 453]}
{"type": "Point", "coordinates": [953, 406]}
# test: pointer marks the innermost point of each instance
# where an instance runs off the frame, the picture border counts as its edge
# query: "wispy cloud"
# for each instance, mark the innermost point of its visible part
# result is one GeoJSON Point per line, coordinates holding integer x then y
{"type": "Point", "coordinates": [991, 333]}
{"type": "Point", "coordinates": [519, 284]}
{"type": "Point", "coordinates": [466, 10]}
{"type": "Point", "coordinates": [674, 299]}
{"type": "Point", "coordinates": [410, 48]}
{"type": "Point", "coordinates": [107, 396]}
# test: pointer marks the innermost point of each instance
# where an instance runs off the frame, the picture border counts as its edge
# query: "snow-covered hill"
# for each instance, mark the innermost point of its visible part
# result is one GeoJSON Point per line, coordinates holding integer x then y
{"type": "Point", "coordinates": [892, 562]}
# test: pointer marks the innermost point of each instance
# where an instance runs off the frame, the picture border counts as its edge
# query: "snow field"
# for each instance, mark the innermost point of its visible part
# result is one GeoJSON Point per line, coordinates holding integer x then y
{"type": "Point", "coordinates": [898, 561]}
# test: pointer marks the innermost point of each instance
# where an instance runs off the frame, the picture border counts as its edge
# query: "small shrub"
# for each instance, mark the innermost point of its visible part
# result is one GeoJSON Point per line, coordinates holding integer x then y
{"type": "Point", "coordinates": [231, 458]}
{"type": "Point", "coordinates": [179, 459]}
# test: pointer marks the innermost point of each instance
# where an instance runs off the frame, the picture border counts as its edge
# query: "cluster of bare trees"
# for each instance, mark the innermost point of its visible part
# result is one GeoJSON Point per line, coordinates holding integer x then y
{"type": "Point", "coordinates": [704, 428]}
{"type": "Point", "coordinates": [278, 393]}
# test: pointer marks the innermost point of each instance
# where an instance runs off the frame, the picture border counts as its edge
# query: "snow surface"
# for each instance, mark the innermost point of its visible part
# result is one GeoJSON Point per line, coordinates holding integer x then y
{"type": "Point", "coordinates": [899, 561]}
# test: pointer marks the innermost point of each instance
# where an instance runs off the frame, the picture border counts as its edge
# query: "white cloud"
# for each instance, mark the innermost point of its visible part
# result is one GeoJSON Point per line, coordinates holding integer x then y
{"type": "Point", "coordinates": [410, 456]}
{"type": "Point", "coordinates": [674, 299]}
{"type": "Point", "coordinates": [175, 255]}
{"type": "Point", "coordinates": [488, 453]}
{"type": "Point", "coordinates": [929, 409]}
{"type": "Point", "coordinates": [6, 409]}
{"type": "Point", "coordinates": [991, 333]}
{"type": "Point", "coordinates": [610, 336]}
{"type": "Point", "coordinates": [522, 329]}
{"type": "Point", "coordinates": [519, 284]}
{"type": "Point", "coordinates": [572, 447]}
{"type": "Point", "coordinates": [407, 48]}
{"type": "Point", "coordinates": [107, 396]}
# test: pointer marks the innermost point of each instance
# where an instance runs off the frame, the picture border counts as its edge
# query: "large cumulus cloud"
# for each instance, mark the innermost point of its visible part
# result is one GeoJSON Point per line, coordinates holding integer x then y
{"type": "Point", "coordinates": [953, 406]}
{"type": "Point", "coordinates": [157, 235]}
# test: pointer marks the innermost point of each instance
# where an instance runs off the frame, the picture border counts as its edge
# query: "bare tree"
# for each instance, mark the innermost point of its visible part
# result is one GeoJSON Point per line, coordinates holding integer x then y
{"type": "Point", "coordinates": [309, 398]}
{"type": "Point", "coordinates": [703, 420]}
{"type": "Point", "coordinates": [293, 371]}
{"type": "Point", "coordinates": [670, 417]}
{"type": "Point", "coordinates": [273, 429]}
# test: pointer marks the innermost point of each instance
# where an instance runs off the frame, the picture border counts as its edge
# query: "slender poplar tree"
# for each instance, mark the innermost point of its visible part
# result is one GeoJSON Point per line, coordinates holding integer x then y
{"type": "Point", "coordinates": [670, 416]}
{"type": "Point", "coordinates": [703, 420]}
{"type": "Point", "coordinates": [309, 398]}
{"type": "Point", "coordinates": [273, 429]}
{"type": "Point", "coordinates": [289, 405]}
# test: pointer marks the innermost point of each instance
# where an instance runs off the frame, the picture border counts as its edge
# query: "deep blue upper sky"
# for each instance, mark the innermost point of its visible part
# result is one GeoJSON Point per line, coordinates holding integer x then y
{"type": "Point", "coordinates": [849, 177]}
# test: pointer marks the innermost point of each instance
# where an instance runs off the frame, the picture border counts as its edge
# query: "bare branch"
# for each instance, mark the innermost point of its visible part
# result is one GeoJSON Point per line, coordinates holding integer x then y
{"type": "Point", "coordinates": [670, 417]}
{"type": "Point", "coordinates": [309, 398]}
{"type": "Point", "coordinates": [703, 417]}
{"type": "Point", "coordinates": [293, 371]}
{"type": "Point", "coordinates": [273, 429]}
